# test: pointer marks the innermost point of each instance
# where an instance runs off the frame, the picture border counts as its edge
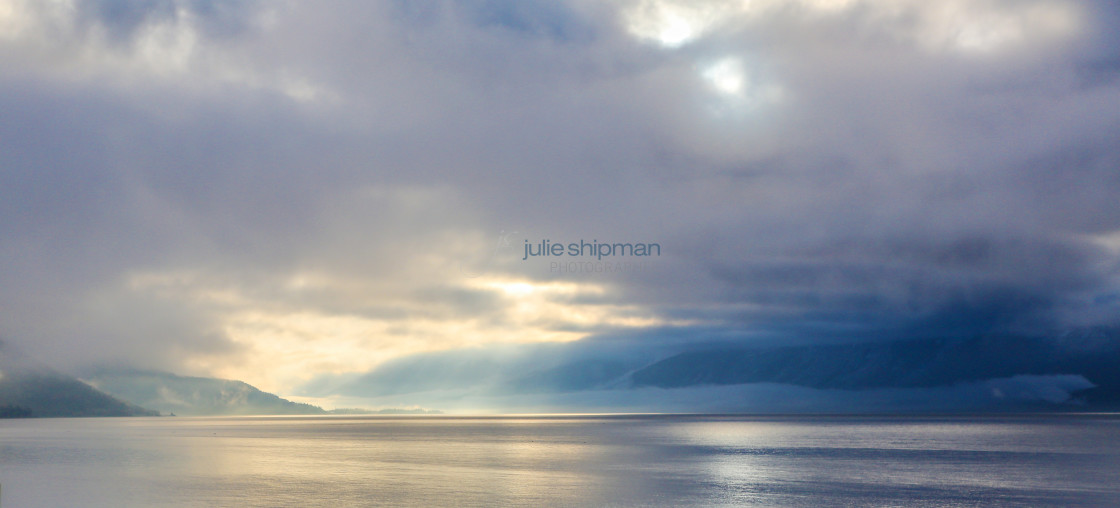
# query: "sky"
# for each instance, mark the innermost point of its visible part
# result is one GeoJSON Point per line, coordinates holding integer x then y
{"type": "Point", "coordinates": [294, 194]}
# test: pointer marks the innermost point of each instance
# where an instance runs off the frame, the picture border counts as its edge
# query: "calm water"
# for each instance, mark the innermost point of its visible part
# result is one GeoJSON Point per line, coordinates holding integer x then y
{"type": "Point", "coordinates": [599, 461]}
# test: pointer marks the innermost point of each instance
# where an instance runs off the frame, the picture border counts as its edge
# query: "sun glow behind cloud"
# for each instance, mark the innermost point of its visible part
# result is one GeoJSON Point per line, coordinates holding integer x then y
{"type": "Point", "coordinates": [287, 339]}
{"type": "Point", "coordinates": [743, 84]}
{"type": "Point", "coordinates": [674, 24]}
{"type": "Point", "coordinates": [726, 76]}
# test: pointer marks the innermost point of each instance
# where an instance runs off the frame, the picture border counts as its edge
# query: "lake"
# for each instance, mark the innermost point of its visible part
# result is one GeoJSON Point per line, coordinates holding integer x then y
{"type": "Point", "coordinates": [1025, 460]}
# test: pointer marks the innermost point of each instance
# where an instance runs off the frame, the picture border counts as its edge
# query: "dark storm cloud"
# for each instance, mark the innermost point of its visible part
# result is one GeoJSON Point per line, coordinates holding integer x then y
{"type": "Point", "coordinates": [973, 283]}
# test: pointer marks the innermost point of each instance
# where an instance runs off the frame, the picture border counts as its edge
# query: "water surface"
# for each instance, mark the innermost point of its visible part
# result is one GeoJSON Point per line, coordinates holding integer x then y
{"type": "Point", "coordinates": [1051, 460]}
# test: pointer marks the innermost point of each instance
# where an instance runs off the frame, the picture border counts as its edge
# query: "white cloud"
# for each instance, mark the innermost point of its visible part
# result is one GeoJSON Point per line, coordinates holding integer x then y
{"type": "Point", "coordinates": [57, 38]}
{"type": "Point", "coordinates": [957, 25]}
{"type": "Point", "coordinates": [727, 76]}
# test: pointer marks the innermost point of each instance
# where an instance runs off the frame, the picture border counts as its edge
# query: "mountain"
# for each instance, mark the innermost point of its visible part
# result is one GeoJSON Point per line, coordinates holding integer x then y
{"type": "Point", "coordinates": [30, 389]}
{"type": "Point", "coordinates": [193, 396]}
{"type": "Point", "coordinates": [573, 376]}
{"type": "Point", "coordinates": [1072, 371]}
{"type": "Point", "coordinates": [1093, 354]}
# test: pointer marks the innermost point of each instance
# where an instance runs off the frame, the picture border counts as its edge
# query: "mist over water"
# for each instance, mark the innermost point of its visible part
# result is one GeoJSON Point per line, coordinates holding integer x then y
{"type": "Point", "coordinates": [1052, 460]}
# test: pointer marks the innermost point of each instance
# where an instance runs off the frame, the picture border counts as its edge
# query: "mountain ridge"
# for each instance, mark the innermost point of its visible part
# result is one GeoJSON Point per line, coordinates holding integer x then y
{"type": "Point", "coordinates": [918, 363]}
{"type": "Point", "coordinates": [193, 396]}
{"type": "Point", "coordinates": [28, 388]}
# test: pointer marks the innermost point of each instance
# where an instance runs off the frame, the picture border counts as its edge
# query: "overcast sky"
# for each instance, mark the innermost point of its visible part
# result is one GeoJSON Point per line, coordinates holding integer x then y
{"type": "Point", "coordinates": [277, 190]}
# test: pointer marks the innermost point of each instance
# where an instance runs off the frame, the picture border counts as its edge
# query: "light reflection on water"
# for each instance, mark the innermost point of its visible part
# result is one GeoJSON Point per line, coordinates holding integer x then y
{"type": "Point", "coordinates": [576, 460]}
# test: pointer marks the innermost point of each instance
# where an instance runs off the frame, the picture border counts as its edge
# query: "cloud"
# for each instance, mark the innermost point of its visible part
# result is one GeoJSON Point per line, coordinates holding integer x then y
{"type": "Point", "coordinates": [276, 191]}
